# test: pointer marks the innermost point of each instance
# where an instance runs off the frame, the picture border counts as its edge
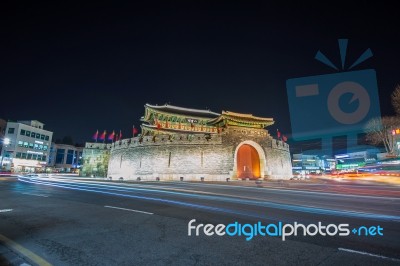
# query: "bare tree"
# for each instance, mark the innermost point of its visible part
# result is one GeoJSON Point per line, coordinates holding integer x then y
{"type": "Point", "coordinates": [379, 130]}
{"type": "Point", "coordinates": [396, 100]}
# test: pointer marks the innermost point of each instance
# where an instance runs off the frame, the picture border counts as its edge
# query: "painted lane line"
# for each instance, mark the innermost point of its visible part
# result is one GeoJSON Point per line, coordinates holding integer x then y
{"type": "Point", "coordinates": [6, 210]}
{"type": "Point", "coordinates": [366, 253]}
{"type": "Point", "coordinates": [32, 194]}
{"type": "Point", "coordinates": [131, 210]}
{"type": "Point", "coordinates": [25, 252]}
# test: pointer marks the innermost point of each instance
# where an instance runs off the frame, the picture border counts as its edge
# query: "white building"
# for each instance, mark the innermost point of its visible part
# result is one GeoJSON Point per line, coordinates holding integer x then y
{"type": "Point", "coordinates": [26, 147]}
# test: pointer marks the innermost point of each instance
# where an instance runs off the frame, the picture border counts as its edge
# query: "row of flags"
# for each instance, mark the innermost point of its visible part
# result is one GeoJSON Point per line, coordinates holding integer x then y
{"type": "Point", "coordinates": [112, 136]}
{"type": "Point", "coordinates": [280, 136]}
{"type": "Point", "coordinates": [116, 137]}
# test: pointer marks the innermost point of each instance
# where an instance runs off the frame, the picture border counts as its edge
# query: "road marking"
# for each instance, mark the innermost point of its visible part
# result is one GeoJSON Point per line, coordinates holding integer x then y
{"type": "Point", "coordinates": [25, 252]}
{"type": "Point", "coordinates": [368, 254]}
{"type": "Point", "coordinates": [32, 194]}
{"type": "Point", "coordinates": [6, 210]}
{"type": "Point", "coordinates": [150, 213]}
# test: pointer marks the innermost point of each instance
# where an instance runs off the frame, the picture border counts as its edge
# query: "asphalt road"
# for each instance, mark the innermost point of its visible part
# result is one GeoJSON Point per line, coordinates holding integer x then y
{"type": "Point", "coordinates": [76, 222]}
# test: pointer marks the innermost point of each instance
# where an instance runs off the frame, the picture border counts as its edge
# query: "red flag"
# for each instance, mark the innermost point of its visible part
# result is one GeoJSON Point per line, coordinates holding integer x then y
{"type": "Point", "coordinates": [111, 136]}
{"type": "Point", "coordinates": [284, 138]}
{"type": "Point", "coordinates": [278, 134]}
{"type": "Point", "coordinates": [96, 135]}
{"type": "Point", "coordinates": [120, 135]}
{"type": "Point", "coordinates": [134, 131]}
{"type": "Point", "coordinates": [103, 135]}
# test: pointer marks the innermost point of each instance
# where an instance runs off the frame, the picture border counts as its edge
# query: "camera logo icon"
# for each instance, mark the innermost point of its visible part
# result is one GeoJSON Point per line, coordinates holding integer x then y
{"type": "Point", "coordinates": [359, 93]}
{"type": "Point", "coordinates": [335, 104]}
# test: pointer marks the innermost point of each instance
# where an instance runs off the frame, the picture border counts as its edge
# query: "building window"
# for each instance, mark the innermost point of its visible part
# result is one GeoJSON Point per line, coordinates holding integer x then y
{"type": "Point", "coordinates": [23, 155]}
{"type": "Point", "coordinates": [39, 157]}
{"type": "Point", "coordinates": [37, 135]}
{"type": "Point", "coordinates": [36, 146]}
{"type": "Point", "coordinates": [27, 133]}
{"type": "Point", "coordinates": [26, 144]}
{"type": "Point", "coordinates": [18, 155]}
{"type": "Point", "coordinates": [33, 134]}
{"type": "Point", "coordinates": [40, 147]}
{"type": "Point", "coordinates": [31, 145]}
{"type": "Point", "coordinates": [29, 156]}
{"type": "Point", "coordinates": [45, 147]}
{"type": "Point", "coordinates": [70, 157]}
{"type": "Point", "coordinates": [22, 132]}
{"type": "Point", "coordinates": [34, 156]}
{"type": "Point", "coordinates": [60, 156]}
{"type": "Point", "coordinates": [20, 143]}
{"type": "Point", "coordinates": [42, 137]}
{"type": "Point", "coordinates": [44, 158]}
{"type": "Point", "coordinates": [47, 138]}
{"type": "Point", "coordinates": [11, 130]}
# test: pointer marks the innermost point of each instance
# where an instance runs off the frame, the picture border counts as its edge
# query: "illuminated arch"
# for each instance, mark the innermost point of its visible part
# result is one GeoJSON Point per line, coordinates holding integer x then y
{"type": "Point", "coordinates": [253, 147]}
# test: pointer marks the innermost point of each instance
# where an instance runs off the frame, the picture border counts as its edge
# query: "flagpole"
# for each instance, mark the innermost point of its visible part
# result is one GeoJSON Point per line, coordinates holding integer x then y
{"type": "Point", "coordinates": [96, 135]}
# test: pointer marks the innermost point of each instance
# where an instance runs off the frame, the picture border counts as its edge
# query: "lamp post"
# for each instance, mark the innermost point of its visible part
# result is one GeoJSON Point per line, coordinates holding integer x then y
{"type": "Point", "coordinates": [6, 141]}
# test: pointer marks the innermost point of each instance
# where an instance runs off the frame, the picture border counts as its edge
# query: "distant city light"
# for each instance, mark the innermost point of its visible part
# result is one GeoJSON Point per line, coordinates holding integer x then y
{"type": "Point", "coordinates": [342, 156]}
{"type": "Point", "coordinates": [6, 141]}
{"type": "Point", "coordinates": [396, 131]}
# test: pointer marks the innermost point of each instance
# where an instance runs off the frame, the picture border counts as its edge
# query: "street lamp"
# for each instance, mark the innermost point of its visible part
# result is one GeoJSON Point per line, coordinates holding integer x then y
{"type": "Point", "coordinates": [6, 141]}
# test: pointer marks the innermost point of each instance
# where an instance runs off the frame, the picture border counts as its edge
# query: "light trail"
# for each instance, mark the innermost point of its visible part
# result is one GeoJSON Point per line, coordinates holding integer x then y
{"type": "Point", "coordinates": [174, 202]}
{"type": "Point", "coordinates": [281, 206]}
{"type": "Point", "coordinates": [38, 195]}
{"type": "Point", "coordinates": [229, 187]}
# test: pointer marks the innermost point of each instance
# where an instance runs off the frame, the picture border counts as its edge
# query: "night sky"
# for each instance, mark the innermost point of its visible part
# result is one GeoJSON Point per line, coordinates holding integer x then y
{"type": "Point", "coordinates": [79, 68]}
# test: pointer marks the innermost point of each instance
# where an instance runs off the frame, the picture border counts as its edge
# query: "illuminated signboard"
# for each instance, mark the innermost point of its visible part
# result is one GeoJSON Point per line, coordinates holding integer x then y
{"type": "Point", "coordinates": [350, 165]}
{"type": "Point", "coordinates": [191, 120]}
{"type": "Point", "coordinates": [396, 131]}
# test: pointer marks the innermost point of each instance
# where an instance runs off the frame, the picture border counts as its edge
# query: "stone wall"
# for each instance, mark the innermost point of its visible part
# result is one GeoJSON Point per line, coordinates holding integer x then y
{"type": "Point", "coordinates": [197, 156]}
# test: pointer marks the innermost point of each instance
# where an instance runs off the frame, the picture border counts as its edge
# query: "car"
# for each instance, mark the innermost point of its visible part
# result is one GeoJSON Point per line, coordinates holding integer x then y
{"type": "Point", "coordinates": [32, 175]}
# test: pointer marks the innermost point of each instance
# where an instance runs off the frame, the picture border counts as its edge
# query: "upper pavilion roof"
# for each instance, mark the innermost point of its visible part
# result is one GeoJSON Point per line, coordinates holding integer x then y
{"type": "Point", "coordinates": [238, 119]}
{"type": "Point", "coordinates": [190, 112]}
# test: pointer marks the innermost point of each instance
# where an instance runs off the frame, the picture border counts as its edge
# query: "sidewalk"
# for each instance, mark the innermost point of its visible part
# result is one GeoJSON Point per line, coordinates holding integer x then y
{"type": "Point", "coordinates": [9, 257]}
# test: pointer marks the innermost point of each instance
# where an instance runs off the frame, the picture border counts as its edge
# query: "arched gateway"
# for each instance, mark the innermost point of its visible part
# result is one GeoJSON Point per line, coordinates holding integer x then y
{"type": "Point", "coordinates": [249, 160]}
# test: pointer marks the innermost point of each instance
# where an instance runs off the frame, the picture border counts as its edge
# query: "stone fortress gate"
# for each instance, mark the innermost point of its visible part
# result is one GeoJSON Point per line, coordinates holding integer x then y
{"type": "Point", "coordinates": [179, 143]}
